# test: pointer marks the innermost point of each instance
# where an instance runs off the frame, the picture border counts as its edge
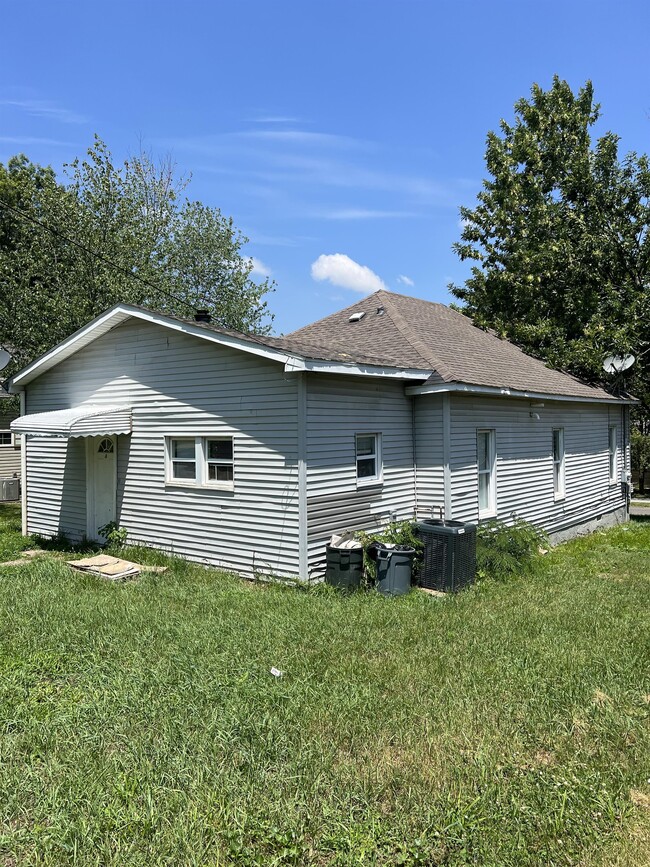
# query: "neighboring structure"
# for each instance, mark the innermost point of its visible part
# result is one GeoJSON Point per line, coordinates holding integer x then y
{"type": "Point", "coordinates": [9, 442]}
{"type": "Point", "coordinates": [248, 452]}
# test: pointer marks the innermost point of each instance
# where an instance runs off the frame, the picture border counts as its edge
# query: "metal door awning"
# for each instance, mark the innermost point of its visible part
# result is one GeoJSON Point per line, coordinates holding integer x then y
{"type": "Point", "coordinates": [81, 421]}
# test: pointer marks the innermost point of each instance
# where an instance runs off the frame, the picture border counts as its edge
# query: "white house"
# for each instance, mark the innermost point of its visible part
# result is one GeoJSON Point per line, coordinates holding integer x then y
{"type": "Point", "coordinates": [9, 442]}
{"type": "Point", "coordinates": [247, 452]}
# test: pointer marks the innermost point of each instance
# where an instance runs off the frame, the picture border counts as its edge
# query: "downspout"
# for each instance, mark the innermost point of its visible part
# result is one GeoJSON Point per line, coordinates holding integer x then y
{"type": "Point", "coordinates": [303, 558]}
{"type": "Point", "coordinates": [446, 453]}
{"type": "Point", "coordinates": [23, 466]}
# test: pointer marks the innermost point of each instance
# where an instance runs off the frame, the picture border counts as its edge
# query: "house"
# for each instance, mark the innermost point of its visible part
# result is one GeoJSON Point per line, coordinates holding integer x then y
{"type": "Point", "coordinates": [9, 442]}
{"type": "Point", "coordinates": [247, 452]}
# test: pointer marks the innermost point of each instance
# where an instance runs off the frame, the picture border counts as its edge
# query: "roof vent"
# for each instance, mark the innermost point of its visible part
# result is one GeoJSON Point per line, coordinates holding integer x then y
{"type": "Point", "coordinates": [357, 316]}
{"type": "Point", "coordinates": [381, 310]}
{"type": "Point", "coordinates": [202, 316]}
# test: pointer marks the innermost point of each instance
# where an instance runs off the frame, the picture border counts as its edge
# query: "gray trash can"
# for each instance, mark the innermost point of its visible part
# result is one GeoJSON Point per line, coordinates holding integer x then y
{"type": "Point", "coordinates": [394, 568]}
{"type": "Point", "coordinates": [344, 567]}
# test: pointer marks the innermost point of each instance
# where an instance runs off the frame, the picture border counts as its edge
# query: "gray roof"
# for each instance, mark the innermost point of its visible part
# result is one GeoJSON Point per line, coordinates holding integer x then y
{"type": "Point", "coordinates": [417, 333]}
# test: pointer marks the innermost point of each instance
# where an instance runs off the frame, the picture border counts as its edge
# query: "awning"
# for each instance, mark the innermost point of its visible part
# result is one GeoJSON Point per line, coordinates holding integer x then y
{"type": "Point", "coordinates": [80, 421]}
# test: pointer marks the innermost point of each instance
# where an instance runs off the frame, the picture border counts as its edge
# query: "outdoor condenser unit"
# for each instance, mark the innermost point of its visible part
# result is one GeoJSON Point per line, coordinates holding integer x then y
{"type": "Point", "coordinates": [449, 556]}
{"type": "Point", "coordinates": [9, 490]}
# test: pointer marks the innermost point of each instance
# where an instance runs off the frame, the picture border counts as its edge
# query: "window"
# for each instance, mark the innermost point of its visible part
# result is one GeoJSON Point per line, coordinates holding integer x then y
{"type": "Point", "coordinates": [368, 456]}
{"type": "Point", "coordinates": [201, 461]}
{"type": "Point", "coordinates": [486, 463]}
{"type": "Point", "coordinates": [558, 463]}
{"type": "Point", "coordinates": [6, 438]}
{"type": "Point", "coordinates": [220, 460]}
{"type": "Point", "coordinates": [613, 436]}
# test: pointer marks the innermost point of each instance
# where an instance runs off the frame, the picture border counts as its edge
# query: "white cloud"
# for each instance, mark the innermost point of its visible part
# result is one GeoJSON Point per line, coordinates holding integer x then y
{"type": "Point", "coordinates": [41, 108]}
{"type": "Point", "coordinates": [404, 280]}
{"type": "Point", "coordinates": [259, 268]}
{"type": "Point", "coordinates": [365, 214]}
{"type": "Point", "coordinates": [342, 271]}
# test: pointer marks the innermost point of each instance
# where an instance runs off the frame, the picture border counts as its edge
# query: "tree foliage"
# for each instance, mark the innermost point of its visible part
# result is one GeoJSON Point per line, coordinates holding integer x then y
{"type": "Point", "coordinates": [115, 234]}
{"type": "Point", "coordinates": [559, 237]}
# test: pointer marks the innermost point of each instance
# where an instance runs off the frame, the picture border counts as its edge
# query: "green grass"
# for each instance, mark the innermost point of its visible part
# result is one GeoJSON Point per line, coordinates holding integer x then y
{"type": "Point", "coordinates": [140, 724]}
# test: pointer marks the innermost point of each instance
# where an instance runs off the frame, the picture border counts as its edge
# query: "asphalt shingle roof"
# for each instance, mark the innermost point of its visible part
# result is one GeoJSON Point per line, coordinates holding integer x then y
{"type": "Point", "coordinates": [422, 334]}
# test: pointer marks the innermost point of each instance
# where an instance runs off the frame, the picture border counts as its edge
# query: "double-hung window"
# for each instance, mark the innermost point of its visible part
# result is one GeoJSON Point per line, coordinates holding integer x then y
{"type": "Point", "coordinates": [201, 461]}
{"type": "Point", "coordinates": [613, 436]}
{"type": "Point", "coordinates": [486, 462]}
{"type": "Point", "coordinates": [558, 463]}
{"type": "Point", "coordinates": [368, 457]}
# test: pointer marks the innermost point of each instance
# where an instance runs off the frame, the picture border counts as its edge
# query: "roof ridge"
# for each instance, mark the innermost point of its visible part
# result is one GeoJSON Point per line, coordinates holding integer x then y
{"type": "Point", "coordinates": [419, 345]}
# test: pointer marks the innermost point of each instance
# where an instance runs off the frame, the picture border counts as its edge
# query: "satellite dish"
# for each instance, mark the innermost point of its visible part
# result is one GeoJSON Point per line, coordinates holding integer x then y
{"type": "Point", "coordinates": [618, 363]}
{"type": "Point", "coordinates": [5, 358]}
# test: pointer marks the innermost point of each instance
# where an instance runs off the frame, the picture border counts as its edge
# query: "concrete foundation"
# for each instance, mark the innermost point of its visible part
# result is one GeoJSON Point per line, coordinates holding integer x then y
{"type": "Point", "coordinates": [600, 522]}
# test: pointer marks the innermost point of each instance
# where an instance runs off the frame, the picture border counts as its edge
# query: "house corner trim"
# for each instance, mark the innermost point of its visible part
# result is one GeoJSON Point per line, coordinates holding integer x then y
{"type": "Point", "coordinates": [303, 558]}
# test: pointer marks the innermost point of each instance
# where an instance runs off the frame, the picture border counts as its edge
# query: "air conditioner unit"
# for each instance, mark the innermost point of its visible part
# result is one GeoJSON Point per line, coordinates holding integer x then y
{"type": "Point", "coordinates": [9, 490]}
{"type": "Point", "coordinates": [449, 556]}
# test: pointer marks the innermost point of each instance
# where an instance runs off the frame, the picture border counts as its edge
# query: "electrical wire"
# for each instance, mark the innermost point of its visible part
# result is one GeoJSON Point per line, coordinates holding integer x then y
{"type": "Point", "coordinates": [96, 255]}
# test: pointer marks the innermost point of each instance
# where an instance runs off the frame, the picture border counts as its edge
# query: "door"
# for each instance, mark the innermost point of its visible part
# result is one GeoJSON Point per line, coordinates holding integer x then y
{"type": "Point", "coordinates": [101, 476]}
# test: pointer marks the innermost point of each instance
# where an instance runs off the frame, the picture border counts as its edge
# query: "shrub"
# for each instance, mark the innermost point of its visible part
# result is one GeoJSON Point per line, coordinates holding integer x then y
{"type": "Point", "coordinates": [114, 535]}
{"type": "Point", "coordinates": [507, 549]}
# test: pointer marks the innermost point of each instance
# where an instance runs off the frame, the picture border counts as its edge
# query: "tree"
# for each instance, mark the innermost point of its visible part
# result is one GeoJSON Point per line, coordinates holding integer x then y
{"type": "Point", "coordinates": [559, 238]}
{"type": "Point", "coordinates": [71, 248]}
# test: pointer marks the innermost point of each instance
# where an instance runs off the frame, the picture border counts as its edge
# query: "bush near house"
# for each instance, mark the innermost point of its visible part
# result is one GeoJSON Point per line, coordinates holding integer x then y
{"type": "Point", "coordinates": [507, 725]}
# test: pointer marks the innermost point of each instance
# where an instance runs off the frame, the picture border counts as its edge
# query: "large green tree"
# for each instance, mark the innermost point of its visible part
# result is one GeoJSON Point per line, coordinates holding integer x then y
{"type": "Point", "coordinates": [559, 238]}
{"type": "Point", "coordinates": [72, 247]}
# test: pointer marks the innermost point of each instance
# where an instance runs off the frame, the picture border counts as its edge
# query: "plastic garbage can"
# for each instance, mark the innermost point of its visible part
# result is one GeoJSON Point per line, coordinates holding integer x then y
{"type": "Point", "coordinates": [394, 568]}
{"type": "Point", "coordinates": [344, 567]}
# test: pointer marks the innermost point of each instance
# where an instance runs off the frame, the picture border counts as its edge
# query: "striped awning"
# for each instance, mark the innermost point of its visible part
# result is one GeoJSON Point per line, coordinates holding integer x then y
{"type": "Point", "coordinates": [80, 421]}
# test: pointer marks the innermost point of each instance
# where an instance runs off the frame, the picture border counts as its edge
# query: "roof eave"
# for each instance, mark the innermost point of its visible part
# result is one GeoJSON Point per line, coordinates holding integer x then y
{"type": "Point", "coordinates": [495, 391]}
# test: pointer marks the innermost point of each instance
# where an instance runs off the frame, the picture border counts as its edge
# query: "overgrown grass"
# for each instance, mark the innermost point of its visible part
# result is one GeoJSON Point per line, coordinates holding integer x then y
{"type": "Point", "coordinates": [140, 724]}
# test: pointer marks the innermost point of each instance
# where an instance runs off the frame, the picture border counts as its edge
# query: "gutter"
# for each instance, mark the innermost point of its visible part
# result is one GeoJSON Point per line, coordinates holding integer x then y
{"type": "Point", "coordinates": [494, 391]}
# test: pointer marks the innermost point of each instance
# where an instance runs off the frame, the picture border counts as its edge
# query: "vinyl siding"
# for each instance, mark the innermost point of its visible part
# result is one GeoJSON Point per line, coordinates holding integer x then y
{"type": "Point", "coordinates": [183, 386]}
{"type": "Point", "coordinates": [430, 491]}
{"type": "Point", "coordinates": [9, 455]}
{"type": "Point", "coordinates": [338, 407]}
{"type": "Point", "coordinates": [524, 466]}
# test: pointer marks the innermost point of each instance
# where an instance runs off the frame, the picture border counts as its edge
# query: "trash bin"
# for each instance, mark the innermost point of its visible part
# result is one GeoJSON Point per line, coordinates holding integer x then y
{"type": "Point", "coordinates": [344, 567]}
{"type": "Point", "coordinates": [394, 568]}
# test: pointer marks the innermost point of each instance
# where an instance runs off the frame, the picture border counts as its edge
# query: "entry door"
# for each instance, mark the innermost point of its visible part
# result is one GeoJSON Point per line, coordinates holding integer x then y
{"type": "Point", "coordinates": [101, 484]}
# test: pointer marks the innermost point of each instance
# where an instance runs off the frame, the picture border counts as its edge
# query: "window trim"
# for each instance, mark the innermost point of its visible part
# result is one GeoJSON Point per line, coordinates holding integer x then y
{"type": "Point", "coordinates": [12, 441]}
{"type": "Point", "coordinates": [559, 492]}
{"type": "Point", "coordinates": [378, 478]}
{"type": "Point", "coordinates": [201, 463]}
{"type": "Point", "coordinates": [612, 453]}
{"type": "Point", "coordinates": [491, 472]}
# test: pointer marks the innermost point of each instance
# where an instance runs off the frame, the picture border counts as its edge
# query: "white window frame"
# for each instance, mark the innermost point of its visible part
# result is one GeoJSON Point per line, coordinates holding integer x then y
{"type": "Point", "coordinates": [201, 462]}
{"type": "Point", "coordinates": [378, 477]}
{"type": "Point", "coordinates": [12, 442]}
{"type": "Point", "coordinates": [491, 472]}
{"type": "Point", "coordinates": [612, 441]}
{"type": "Point", "coordinates": [559, 477]}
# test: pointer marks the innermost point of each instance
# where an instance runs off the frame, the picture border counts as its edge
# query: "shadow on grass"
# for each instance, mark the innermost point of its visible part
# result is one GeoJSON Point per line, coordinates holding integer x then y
{"type": "Point", "coordinates": [641, 518]}
{"type": "Point", "coordinates": [64, 545]}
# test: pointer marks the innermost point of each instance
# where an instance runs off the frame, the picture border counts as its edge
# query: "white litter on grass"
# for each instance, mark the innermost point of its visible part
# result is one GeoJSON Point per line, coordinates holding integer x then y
{"type": "Point", "coordinates": [276, 672]}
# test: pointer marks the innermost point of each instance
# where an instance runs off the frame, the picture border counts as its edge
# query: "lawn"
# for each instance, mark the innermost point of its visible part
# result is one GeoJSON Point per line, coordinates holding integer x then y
{"type": "Point", "coordinates": [509, 725]}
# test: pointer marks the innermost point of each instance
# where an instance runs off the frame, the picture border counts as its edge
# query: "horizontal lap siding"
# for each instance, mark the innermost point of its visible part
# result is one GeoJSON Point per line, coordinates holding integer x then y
{"type": "Point", "coordinates": [9, 455]}
{"type": "Point", "coordinates": [524, 460]}
{"type": "Point", "coordinates": [430, 491]}
{"type": "Point", "coordinates": [338, 408]}
{"type": "Point", "coordinates": [56, 485]}
{"type": "Point", "coordinates": [179, 385]}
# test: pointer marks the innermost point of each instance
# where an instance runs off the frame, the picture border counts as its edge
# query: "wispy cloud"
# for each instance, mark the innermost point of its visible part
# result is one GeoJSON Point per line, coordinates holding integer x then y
{"type": "Point", "coordinates": [405, 281]}
{"type": "Point", "coordinates": [366, 214]}
{"type": "Point", "coordinates": [43, 108]}
{"type": "Point", "coordinates": [20, 140]}
{"type": "Point", "coordinates": [341, 270]}
{"type": "Point", "coordinates": [259, 268]}
{"type": "Point", "coordinates": [273, 118]}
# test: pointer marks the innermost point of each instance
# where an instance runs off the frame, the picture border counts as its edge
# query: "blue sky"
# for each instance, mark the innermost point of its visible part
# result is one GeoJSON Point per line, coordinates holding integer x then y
{"type": "Point", "coordinates": [354, 128]}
